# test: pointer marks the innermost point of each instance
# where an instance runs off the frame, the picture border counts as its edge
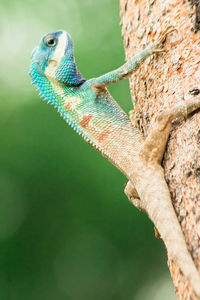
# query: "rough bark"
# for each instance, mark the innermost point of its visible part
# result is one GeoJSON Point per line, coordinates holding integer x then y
{"type": "Point", "coordinates": [159, 85]}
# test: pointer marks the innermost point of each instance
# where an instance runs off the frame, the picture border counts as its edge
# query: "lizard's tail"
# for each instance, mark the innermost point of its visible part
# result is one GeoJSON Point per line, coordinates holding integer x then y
{"type": "Point", "coordinates": [157, 203]}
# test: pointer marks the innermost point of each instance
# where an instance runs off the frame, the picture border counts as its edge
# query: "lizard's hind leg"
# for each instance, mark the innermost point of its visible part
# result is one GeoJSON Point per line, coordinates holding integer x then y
{"type": "Point", "coordinates": [155, 143]}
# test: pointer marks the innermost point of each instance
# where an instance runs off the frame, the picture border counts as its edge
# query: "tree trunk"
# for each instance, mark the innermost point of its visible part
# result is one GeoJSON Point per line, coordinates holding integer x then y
{"type": "Point", "coordinates": [159, 83]}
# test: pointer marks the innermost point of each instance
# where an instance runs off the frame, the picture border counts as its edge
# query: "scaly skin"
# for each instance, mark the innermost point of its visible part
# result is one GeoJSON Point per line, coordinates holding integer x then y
{"type": "Point", "coordinates": [89, 108]}
{"type": "Point", "coordinates": [86, 104]}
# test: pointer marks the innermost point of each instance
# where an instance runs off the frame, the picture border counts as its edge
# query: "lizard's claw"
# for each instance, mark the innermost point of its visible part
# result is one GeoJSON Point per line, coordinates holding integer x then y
{"type": "Point", "coordinates": [164, 34]}
{"type": "Point", "coordinates": [159, 51]}
{"type": "Point", "coordinates": [162, 37]}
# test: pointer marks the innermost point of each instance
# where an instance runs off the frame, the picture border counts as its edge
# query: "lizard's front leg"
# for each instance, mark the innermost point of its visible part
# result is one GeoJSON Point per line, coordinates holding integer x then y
{"type": "Point", "coordinates": [130, 66]}
{"type": "Point", "coordinates": [149, 182]}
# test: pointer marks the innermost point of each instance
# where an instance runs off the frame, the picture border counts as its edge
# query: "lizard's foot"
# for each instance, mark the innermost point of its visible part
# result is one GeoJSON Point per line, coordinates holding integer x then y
{"type": "Point", "coordinates": [182, 109]}
{"type": "Point", "coordinates": [154, 144]}
{"type": "Point", "coordinates": [133, 196]}
{"type": "Point", "coordinates": [162, 37]}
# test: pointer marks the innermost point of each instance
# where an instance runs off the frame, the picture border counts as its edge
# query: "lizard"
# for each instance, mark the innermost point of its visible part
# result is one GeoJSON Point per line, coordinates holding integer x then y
{"type": "Point", "coordinates": [91, 111]}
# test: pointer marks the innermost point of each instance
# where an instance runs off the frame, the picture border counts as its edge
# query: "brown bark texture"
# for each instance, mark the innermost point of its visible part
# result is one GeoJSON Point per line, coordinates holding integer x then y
{"type": "Point", "coordinates": [163, 80]}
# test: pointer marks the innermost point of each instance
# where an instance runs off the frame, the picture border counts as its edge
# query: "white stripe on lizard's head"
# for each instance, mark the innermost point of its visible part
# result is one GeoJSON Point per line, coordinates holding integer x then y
{"type": "Point", "coordinates": [59, 53]}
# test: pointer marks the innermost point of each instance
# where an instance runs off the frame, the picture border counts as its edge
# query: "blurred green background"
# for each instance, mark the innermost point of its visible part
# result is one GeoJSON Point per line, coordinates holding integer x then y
{"type": "Point", "coordinates": [67, 231]}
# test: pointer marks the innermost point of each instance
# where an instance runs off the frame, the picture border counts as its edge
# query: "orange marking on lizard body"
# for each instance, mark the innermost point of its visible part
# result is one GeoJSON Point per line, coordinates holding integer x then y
{"type": "Point", "coordinates": [103, 135]}
{"type": "Point", "coordinates": [86, 119]}
{"type": "Point", "coordinates": [68, 105]}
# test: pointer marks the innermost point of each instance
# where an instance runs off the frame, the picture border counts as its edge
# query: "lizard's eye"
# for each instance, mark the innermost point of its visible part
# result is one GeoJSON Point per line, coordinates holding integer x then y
{"type": "Point", "coordinates": [50, 41]}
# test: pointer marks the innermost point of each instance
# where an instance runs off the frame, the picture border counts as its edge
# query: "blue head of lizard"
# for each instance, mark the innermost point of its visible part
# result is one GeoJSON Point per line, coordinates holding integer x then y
{"type": "Point", "coordinates": [54, 59]}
